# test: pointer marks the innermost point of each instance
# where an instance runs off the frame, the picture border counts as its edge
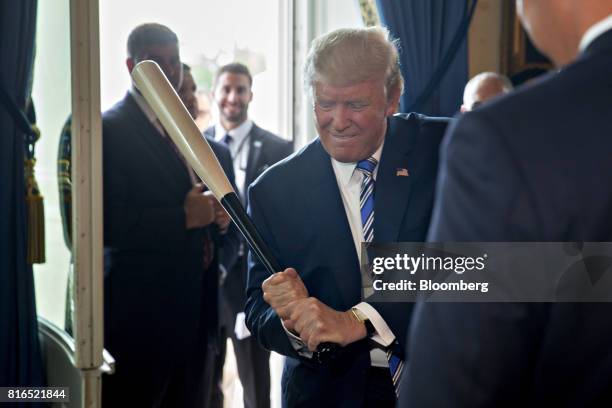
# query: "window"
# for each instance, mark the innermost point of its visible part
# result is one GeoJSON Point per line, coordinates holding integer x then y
{"type": "Point", "coordinates": [211, 33]}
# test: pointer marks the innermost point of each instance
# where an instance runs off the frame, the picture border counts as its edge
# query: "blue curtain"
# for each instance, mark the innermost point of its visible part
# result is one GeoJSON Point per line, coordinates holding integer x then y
{"type": "Point", "coordinates": [20, 360]}
{"type": "Point", "coordinates": [426, 29]}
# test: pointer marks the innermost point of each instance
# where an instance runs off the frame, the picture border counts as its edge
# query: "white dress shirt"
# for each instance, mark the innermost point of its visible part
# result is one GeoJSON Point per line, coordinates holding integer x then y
{"type": "Point", "coordinates": [239, 148]}
{"type": "Point", "coordinates": [349, 183]}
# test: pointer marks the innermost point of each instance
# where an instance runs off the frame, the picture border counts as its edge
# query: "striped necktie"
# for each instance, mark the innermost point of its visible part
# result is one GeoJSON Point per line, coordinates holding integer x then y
{"type": "Point", "coordinates": [366, 197]}
{"type": "Point", "coordinates": [366, 203]}
{"type": "Point", "coordinates": [396, 365]}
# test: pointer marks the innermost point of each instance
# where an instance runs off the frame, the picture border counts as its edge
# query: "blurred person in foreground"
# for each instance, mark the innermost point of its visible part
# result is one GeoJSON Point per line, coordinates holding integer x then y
{"type": "Point", "coordinates": [526, 167]}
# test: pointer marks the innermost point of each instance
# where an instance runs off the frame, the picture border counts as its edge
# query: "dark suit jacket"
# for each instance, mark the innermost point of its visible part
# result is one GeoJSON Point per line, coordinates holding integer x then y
{"type": "Point", "coordinates": [160, 305]}
{"type": "Point", "coordinates": [529, 167]}
{"type": "Point", "coordinates": [265, 149]}
{"type": "Point", "coordinates": [297, 206]}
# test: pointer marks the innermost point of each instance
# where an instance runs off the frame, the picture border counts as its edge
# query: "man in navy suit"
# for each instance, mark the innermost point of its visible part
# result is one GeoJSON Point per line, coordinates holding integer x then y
{"type": "Point", "coordinates": [309, 211]}
{"type": "Point", "coordinates": [527, 167]}
{"type": "Point", "coordinates": [253, 150]}
{"type": "Point", "coordinates": [162, 237]}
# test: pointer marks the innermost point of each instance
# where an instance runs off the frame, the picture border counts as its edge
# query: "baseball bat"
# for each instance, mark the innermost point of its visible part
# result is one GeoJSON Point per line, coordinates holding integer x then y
{"type": "Point", "coordinates": [178, 123]}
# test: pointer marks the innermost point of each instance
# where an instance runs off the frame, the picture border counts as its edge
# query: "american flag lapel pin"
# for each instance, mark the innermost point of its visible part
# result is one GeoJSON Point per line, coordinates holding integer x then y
{"type": "Point", "coordinates": [402, 173]}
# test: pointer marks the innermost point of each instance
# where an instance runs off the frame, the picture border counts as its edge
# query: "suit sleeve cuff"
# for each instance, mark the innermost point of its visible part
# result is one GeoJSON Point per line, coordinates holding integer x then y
{"type": "Point", "coordinates": [383, 336]}
{"type": "Point", "coordinates": [297, 343]}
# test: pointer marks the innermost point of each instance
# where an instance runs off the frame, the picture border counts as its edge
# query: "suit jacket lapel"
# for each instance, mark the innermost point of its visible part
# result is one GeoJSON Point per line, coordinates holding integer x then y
{"type": "Point", "coordinates": [255, 147]}
{"type": "Point", "coordinates": [329, 212]}
{"type": "Point", "coordinates": [167, 159]}
{"type": "Point", "coordinates": [393, 190]}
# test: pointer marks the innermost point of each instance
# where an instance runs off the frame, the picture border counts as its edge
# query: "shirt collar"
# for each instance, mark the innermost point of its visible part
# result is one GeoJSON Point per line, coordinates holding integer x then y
{"type": "Point", "coordinates": [595, 31]}
{"type": "Point", "coordinates": [238, 133]}
{"type": "Point", "coordinates": [344, 171]}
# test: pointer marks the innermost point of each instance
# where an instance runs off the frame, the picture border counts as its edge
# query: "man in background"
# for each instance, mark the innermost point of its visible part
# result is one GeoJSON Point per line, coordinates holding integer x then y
{"type": "Point", "coordinates": [161, 238]}
{"type": "Point", "coordinates": [187, 93]}
{"type": "Point", "coordinates": [253, 150]}
{"type": "Point", "coordinates": [526, 168]}
{"type": "Point", "coordinates": [483, 87]}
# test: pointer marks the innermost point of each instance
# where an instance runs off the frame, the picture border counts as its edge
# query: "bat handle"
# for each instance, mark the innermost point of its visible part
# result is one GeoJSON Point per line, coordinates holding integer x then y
{"type": "Point", "coordinates": [326, 353]}
{"type": "Point", "coordinates": [234, 207]}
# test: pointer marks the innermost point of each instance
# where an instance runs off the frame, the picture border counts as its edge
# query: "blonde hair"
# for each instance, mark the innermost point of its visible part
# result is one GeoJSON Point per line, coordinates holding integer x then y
{"type": "Point", "coordinates": [350, 55]}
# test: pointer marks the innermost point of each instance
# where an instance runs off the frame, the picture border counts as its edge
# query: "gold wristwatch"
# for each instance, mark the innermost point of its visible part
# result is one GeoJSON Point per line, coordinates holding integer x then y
{"type": "Point", "coordinates": [361, 317]}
